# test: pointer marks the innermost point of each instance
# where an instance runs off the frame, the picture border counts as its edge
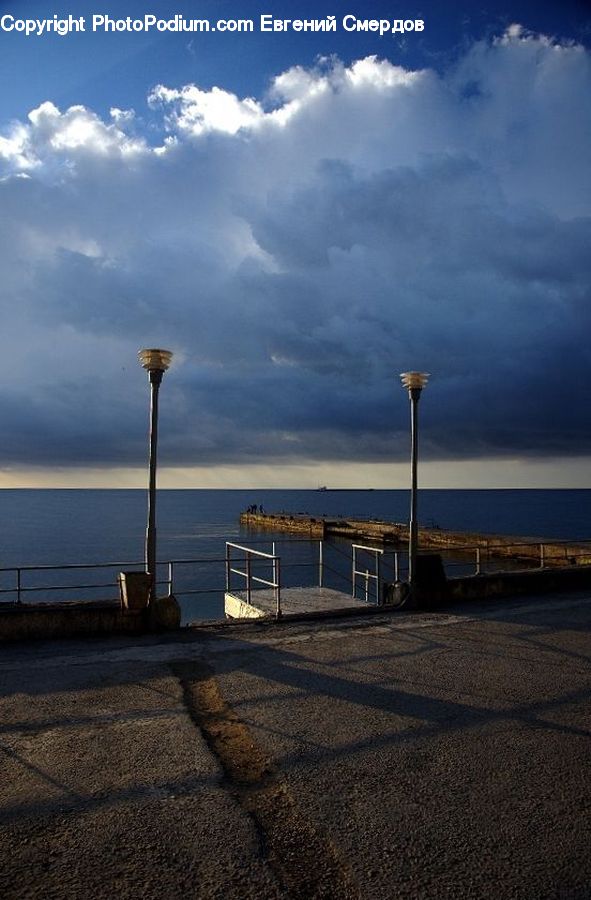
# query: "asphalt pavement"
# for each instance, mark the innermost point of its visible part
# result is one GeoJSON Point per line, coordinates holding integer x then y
{"type": "Point", "coordinates": [427, 755]}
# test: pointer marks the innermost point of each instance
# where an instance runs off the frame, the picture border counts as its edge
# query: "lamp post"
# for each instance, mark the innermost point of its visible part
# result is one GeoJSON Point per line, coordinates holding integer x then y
{"type": "Point", "coordinates": [156, 362]}
{"type": "Point", "coordinates": [414, 382]}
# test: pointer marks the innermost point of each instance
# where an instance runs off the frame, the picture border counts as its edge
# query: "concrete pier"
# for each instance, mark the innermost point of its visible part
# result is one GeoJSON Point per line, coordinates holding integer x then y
{"type": "Point", "coordinates": [295, 602]}
{"type": "Point", "coordinates": [553, 553]}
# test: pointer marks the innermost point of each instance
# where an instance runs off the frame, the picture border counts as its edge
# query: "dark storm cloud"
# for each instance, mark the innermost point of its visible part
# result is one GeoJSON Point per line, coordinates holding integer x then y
{"type": "Point", "coordinates": [297, 257]}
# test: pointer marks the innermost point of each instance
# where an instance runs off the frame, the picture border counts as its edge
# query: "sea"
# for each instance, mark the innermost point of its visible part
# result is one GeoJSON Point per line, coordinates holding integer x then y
{"type": "Point", "coordinates": [88, 527]}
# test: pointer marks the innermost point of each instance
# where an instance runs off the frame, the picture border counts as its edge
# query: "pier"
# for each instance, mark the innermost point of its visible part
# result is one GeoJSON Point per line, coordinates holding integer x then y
{"type": "Point", "coordinates": [543, 551]}
{"type": "Point", "coordinates": [297, 602]}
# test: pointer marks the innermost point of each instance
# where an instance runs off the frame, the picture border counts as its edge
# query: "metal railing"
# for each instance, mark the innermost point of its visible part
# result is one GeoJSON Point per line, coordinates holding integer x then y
{"type": "Point", "coordinates": [331, 563]}
{"type": "Point", "coordinates": [20, 589]}
{"type": "Point", "coordinates": [250, 555]}
{"type": "Point", "coordinates": [172, 580]}
{"type": "Point", "coordinates": [22, 584]}
{"type": "Point", "coordinates": [382, 572]}
{"type": "Point", "coordinates": [358, 550]}
{"type": "Point", "coordinates": [539, 554]}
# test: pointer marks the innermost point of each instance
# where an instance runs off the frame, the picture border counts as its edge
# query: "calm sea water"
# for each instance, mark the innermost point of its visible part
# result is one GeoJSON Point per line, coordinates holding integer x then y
{"type": "Point", "coordinates": [60, 527]}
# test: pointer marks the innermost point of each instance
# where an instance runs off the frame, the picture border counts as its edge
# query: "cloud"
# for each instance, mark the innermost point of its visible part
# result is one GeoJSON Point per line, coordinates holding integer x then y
{"type": "Point", "coordinates": [298, 251]}
{"type": "Point", "coordinates": [197, 112]}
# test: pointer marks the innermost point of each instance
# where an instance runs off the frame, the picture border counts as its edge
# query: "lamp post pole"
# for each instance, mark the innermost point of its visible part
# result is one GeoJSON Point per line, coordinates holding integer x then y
{"type": "Point", "coordinates": [156, 362]}
{"type": "Point", "coordinates": [414, 382]}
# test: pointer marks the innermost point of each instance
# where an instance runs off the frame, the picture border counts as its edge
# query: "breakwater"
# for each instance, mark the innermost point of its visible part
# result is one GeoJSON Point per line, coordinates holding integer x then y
{"type": "Point", "coordinates": [543, 551]}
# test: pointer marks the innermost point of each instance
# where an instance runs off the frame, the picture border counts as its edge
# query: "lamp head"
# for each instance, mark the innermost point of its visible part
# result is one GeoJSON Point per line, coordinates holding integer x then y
{"type": "Point", "coordinates": [414, 380]}
{"type": "Point", "coordinates": [155, 360]}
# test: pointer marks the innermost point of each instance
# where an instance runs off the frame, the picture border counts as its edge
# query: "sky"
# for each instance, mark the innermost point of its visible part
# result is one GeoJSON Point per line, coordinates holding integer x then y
{"type": "Point", "coordinates": [299, 216]}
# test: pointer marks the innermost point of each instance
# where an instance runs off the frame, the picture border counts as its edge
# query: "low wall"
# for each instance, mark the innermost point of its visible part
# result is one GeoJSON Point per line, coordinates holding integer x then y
{"type": "Point", "coordinates": [23, 622]}
{"type": "Point", "coordinates": [50, 620]}
{"type": "Point", "coordinates": [512, 584]}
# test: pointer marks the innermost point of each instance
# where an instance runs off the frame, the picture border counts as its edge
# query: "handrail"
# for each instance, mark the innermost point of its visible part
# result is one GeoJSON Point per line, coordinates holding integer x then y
{"type": "Point", "coordinates": [375, 576]}
{"type": "Point", "coordinates": [110, 565]}
{"type": "Point", "coordinates": [580, 550]}
{"type": "Point", "coordinates": [549, 553]}
{"type": "Point", "coordinates": [250, 550]}
{"type": "Point", "coordinates": [369, 549]}
{"type": "Point", "coordinates": [20, 588]}
{"type": "Point", "coordinates": [247, 574]}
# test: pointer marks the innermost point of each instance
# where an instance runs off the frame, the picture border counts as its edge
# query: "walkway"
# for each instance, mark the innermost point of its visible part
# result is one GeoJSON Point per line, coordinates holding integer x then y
{"type": "Point", "coordinates": [427, 755]}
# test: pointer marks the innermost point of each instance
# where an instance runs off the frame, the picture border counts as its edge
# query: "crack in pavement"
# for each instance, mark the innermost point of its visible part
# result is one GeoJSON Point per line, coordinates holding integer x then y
{"type": "Point", "coordinates": [304, 860]}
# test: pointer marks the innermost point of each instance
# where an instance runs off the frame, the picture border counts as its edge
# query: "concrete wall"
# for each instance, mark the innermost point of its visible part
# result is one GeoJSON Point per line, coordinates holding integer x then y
{"type": "Point", "coordinates": [45, 620]}
{"type": "Point", "coordinates": [512, 584]}
{"type": "Point", "coordinates": [56, 620]}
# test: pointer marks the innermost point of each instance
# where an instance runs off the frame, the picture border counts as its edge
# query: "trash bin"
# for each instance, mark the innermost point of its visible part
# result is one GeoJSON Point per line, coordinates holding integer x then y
{"type": "Point", "coordinates": [430, 581]}
{"type": "Point", "coordinates": [134, 588]}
